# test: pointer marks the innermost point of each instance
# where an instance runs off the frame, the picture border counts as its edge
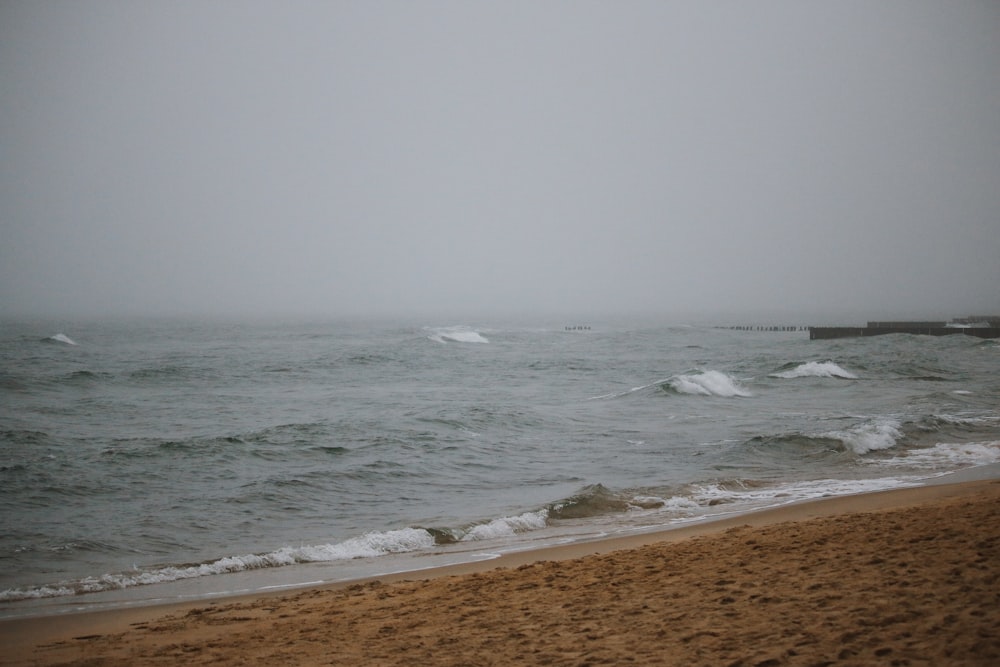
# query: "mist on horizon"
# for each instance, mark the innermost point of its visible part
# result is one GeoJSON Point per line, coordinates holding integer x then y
{"type": "Point", "coordinates": [672, 160]}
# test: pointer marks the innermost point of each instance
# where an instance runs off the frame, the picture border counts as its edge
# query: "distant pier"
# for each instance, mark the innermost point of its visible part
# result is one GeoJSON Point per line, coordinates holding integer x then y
{"type": "Point", "coordinates": [980, 326]}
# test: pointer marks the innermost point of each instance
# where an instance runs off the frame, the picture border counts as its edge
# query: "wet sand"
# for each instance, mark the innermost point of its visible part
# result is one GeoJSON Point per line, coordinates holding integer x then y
{"type": "Point", "coordinates": [905, 577]}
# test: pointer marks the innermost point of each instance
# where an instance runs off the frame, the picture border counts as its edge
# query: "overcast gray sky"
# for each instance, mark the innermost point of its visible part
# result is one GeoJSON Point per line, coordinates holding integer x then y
{"type": "Point", "coordinates": [360, 158]}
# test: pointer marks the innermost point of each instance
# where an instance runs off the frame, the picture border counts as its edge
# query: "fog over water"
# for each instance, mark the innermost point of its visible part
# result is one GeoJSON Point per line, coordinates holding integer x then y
{"type": "Point", "coordinates": [469, 159]}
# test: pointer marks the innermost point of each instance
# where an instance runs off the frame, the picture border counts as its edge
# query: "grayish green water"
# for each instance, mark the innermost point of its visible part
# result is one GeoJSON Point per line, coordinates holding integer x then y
{"type": "Point", "coordinates": [164, 459]}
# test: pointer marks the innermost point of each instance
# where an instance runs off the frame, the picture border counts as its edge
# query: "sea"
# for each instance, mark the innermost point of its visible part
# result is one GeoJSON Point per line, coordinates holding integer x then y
{"type": "Point", "coordinates": [148, 461]}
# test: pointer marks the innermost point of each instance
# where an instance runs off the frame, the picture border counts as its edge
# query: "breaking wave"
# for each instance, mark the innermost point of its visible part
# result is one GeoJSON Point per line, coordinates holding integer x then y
{"type": "Point", "coordinates": [456, 335]}
{"type": "Point", "coordinates": [693, 502]}
{"type": "Point", "coordinates": [870, 436]}
{"type": "Point", "coordinates": [748, 492]}
{"type": "Point", "coordinates": [507, 526]}
{"type": "Point", "coordinates": [948, 455]}
{"type": "Point", "coordinates": [706, 383]}
{"type": "Point", "coordinates": [591, 501]}
{"type": "Point", "coordinates": [366, 546]}
{"type": "Point", "coordinates": [369, 545]}
{"type": "Point", "coordinates": [880, 434]}
{"type": "Point", "coordinates": [822, 369]}
{"type": "Point", "coordinates": [60, 338]}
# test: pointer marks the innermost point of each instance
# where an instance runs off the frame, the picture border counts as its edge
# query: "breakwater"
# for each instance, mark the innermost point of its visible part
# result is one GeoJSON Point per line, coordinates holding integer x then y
{"type": "Point", "coordinates": [978, 326]}
{"type": "Point", "coordinates": [767, 327]}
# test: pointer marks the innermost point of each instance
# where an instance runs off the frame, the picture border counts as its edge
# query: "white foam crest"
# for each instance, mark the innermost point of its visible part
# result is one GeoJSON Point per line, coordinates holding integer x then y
{"type": "Point", "coordinates": [15, 594]}
{"type": "Point", "coordinates": [714, 494]}
{"type": "Point", "coordinates": [456, 335]}
{"type": "Point", "coordinates": [672, 504]}
{"type": "Point", "coordinates": [869, 437]}
{"type": "Point", "coordinates": [370, 545]}
{"type": "Point", "coordinates": [62, 338]}
{"type": "Point", "coordinates": [947, 455]}
{"type": "Point", "coordinates": [708, 383]}
{"type": "Point", "coordinates": [822, 369]}
{"type": "Point", "coordinates": [507, 526]}
{"type": "Point", "coordinates": [959, 420]}
{"type": "Point", "coordinates": [680, 503]}
{"type": "Point", "coordinates": [619, 394]}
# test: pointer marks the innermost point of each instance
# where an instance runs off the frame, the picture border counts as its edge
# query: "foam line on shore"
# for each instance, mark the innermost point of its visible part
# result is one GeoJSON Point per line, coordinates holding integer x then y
{"type": "Point", "coordinates": [23, 633]}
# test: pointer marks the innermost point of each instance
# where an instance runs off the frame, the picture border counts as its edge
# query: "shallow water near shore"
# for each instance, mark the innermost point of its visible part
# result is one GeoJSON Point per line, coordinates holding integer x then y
{"type": "Point", "coordinates": [154, 461]}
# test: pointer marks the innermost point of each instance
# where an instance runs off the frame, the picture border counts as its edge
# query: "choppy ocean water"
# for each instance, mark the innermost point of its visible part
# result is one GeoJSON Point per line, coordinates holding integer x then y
{"type": "Point", "coordinates": [146, 461]}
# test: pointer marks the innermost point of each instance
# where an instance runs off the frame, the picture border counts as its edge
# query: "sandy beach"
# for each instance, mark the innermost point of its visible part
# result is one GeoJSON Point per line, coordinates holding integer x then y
{"type": "Point", "coordinates": [905, 577]}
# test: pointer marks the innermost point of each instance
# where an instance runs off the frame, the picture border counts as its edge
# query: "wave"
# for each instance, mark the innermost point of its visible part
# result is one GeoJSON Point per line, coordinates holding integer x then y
{"type": "Point", "coordinates": [296, 433]}
{"type": "Point", "coordinates": [270, 443]}
{"type": "Point", "coordinates": [458, 334]}
{"type": "Point", "coordinates": [860, 439]}
{"type": "Point", "coordinates": [507, 526]}
{"type": "Point", "coordinates": [365, 359]}
{"type": "Point", "coordinates": [591, 501]}
{"type": "Point", "coordinates": [84, 378]}
{"type": "Point", "coordinates": [951, 423]}
{"type": "Point", "coordinates": [706, 383]}
{"type": "Point", "coordinates": [693, 502]}
{"type": "Point", "coordinates": [795, 443]}
{"type": "Point", "coordinates": [24, 437]}
{"type": "Point", "coordinates": [366, 546]}
{"type": "Point", "coordinates": [947, 455]}
{"type": "Point", "coordinates": [59, 338]}
{"type": "Point", "coordinates": [598, 500]}
{"type": "Point", "coordinates": [154, 373]}
{"type": "Point", "coordinates": [823, 369]}
{"type": "Point", "coordinates": [369, 545]}
{"type": "Point", "coordinates": [619, 394]}
{"type": "Point", "coordinates": [877, 434]}
{"type": "Point", "coordinates": [749, 492]}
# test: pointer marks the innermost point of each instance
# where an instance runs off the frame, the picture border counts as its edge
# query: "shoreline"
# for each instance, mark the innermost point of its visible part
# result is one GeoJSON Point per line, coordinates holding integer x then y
{"type": "Point", "coordinates": [44, 639]}
{"type": "Point", "coordinates": [252, 582]}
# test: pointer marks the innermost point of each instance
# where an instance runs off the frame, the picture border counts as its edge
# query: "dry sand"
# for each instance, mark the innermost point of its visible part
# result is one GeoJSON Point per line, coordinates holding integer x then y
{"type": "Point", "coordinates": [905, 577]}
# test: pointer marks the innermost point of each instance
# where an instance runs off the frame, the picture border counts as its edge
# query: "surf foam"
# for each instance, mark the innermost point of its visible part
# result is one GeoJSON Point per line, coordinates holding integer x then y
{"type": "Point", "coordinates": [507, 526]}
{"type": "Point", "coordinates": [714, 494]}
{"type": "Point", "coordinates": [707, 383]}
{"type": "Point", "coordinates": [62, 338]}
{"type": "Point", "coordinates": [822, 369]}
{"type": "Point", "coordinates": [456, 335]}
{"type": "Point", "coordinates": [369, 545]}
{"type": "Point", "coordinates": [869, 436]}
{"type": "Point", "coordinates": [945, 454]}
